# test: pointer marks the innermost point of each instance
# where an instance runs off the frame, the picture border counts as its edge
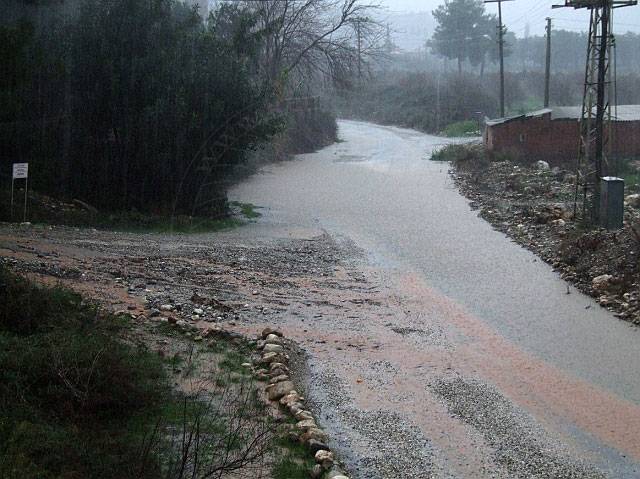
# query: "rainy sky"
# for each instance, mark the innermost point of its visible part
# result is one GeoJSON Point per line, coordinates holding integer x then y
{"type": "Point", "coordinates": [518, 13]}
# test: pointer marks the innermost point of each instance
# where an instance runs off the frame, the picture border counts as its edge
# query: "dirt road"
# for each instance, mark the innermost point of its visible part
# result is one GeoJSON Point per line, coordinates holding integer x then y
{"type": "Point", "coordinates": [436, 347]}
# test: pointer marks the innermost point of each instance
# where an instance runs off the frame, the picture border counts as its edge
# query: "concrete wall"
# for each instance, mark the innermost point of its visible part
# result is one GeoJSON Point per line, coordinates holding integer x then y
{"type": "Point", "coordinates": [555, 141]}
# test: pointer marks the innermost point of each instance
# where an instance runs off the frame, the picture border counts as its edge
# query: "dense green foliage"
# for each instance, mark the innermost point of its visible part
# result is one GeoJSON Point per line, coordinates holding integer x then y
{"type": "Point", "coordinates": [130, 103]}
{"type": "Point", "coordinates": [464, 32]}
{"type": "Point", "coordinates": [419, 100]}
{"type": "Point", "coordinates": [463, 128]}
{"type": "Point", "coordinates": [74, 400]}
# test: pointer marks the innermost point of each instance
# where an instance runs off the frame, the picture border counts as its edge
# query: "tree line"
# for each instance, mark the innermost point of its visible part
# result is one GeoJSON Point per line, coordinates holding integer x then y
{"type": "Point", "coordinates": [467, 34]}
{"type": "Point", "coordinates": [143, 104]}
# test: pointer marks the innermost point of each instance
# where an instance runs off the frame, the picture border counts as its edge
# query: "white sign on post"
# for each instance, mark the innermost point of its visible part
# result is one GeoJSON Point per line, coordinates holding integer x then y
{"type": "Point", "coordinates": [20, 170]}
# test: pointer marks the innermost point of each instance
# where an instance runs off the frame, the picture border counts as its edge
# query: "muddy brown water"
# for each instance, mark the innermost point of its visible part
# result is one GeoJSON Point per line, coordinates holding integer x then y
{"type": "Point", "coordinates": [457, 301]}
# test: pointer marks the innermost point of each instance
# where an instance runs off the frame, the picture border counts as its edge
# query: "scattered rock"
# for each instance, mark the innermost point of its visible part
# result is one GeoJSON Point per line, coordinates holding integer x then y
{"type": "Point", "coordinates": [542, 165]}
{"type": "Point", "coordinates": [276, 391]}
{"type": "Point", "coordinates": [602, 282]}
{"type": "Point", "coordinates": [324, 458]}
{"type": "Point", "coordinates": [633, 200]}
{"type": "Point", "coordinates": [273, 348]}
{"type": "Point", "coordinates": [267, 331]}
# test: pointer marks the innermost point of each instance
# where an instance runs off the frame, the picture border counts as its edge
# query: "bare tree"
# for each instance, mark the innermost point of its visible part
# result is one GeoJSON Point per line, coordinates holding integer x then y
{"type": "Point", "coordinates": [304, 38]}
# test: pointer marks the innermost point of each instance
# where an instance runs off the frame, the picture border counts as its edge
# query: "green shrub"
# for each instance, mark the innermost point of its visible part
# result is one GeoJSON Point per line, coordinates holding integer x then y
{"type": "Point", "coordinates": [75, 401]}
{"type": "Point", "coordinates": [462, 128]}
{"type": "Point", "coordinates": [464, 157]}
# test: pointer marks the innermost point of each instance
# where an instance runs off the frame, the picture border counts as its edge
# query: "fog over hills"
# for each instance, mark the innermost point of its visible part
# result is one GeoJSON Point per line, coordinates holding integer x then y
{"type": "Point", "coordinates": [412, 22]}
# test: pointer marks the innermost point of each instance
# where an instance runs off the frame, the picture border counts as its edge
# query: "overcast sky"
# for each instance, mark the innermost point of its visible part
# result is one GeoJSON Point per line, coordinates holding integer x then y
{"type": "Point", "coordinates": [517, 13]}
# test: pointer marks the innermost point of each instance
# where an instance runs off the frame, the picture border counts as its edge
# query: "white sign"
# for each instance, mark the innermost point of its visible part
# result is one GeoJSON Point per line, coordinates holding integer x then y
{"type": "Point", "coordinates": [20, 170]}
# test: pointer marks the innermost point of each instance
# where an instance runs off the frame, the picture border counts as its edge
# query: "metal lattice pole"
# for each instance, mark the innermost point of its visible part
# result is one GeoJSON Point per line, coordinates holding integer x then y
{"type": "Point", "coordinates": [596, 124]}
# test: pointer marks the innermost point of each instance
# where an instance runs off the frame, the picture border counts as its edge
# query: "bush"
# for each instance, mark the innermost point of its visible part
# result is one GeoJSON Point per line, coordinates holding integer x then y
{"type": "Point", "coordinates": [73, 397]}
{"type": "Point", "coordinates": [418, 100]}
{"type": "Point", "coordinates": [470, 157]}
{"type": "Point", "coordinates": [462, 128]}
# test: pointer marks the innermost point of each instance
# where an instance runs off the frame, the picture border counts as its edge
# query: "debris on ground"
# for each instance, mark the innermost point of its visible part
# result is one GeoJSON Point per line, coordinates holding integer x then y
{"type": "Point", "coordinates": [534, 205]}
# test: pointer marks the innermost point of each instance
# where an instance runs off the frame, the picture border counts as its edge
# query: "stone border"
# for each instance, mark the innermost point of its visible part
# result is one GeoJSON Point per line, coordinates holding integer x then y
{"type": "Point", "coordinates": [272, 366]}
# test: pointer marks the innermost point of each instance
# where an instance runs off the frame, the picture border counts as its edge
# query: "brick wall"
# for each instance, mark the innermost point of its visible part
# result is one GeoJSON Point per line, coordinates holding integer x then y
{"type": "Point", "coordinates": [554, 141]}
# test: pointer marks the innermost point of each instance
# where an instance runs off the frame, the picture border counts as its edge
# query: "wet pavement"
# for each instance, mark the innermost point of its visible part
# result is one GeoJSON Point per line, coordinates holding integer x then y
{"type": "Point", "coordinates": [469, 358]}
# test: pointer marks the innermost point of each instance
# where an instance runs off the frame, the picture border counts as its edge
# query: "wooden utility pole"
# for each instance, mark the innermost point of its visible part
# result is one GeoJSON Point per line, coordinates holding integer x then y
{"type": "Point", "coordinates": [501, 30]}
{"type": "Point", "coordinates": [547, 72]}
{"type": "Point", "coordinates": [359, 50]}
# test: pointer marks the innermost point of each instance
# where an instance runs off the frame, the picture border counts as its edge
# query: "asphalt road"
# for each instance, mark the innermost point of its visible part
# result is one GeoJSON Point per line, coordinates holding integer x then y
{"type": "Point", "coordinates": [495, 363]}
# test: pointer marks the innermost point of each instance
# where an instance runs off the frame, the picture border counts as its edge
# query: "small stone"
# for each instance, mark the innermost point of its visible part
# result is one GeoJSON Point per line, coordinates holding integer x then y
{"type": "Point", "coordinates": [315, 445]}
{"type": "Point", "coordinates": [274, 366]}
{"type": "Point", "coordinates": [324, 458]}
{"type": "Point", "coordinates": [273, 348]}
{"type": "Point", "coordinates": [303, 415]}
{"type": "Point", "coordinates": [632, 200]}
{"type": "Point", "coordinates": [602, 282]}
{"type": "Point", "coordinates": [289, 399]}
{"type": "Point", "coordinates": [198, 311]}
{"type": "Point", "coordinates": [273, 339]}
{"type": "Point", "coordinates": [166, 307]}
{"type": "Point", "coordinates": [542, 165]}
{"type": "Point", "coordinates": [276, 391]}
{"type": "Point", "coordinates": [267, 331]}
{"type": "Point", "coordinates": [279, 379]}
{"type": "Point", "coordinates": [307, 424]}
{"type": "Point", "coordinates": [272, 357]}
{"type": "Point", "coordinates": [315, 434]}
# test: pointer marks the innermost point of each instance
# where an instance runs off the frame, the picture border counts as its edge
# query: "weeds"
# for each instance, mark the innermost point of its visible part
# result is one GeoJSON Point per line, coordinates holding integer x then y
{"type": "Point", "coordinates": [462, 129]}
{"type": "Point", "coordinates": [295, 461]}
{"type": "Point", "coordinates": [248, 210]}
{"type": "Point", "coordinates": [470, 157]}
{"type": "Point", "coordinates": [71, 394]}
{"type": "Point", "coordinates": [77, 400]}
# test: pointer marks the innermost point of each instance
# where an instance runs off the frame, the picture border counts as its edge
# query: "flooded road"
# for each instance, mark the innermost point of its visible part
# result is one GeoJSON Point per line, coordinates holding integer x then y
{"type": "Point", "coordinates": [472, 360]}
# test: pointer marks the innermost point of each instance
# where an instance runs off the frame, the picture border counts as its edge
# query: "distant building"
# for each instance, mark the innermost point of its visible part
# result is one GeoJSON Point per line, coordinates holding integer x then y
{"type": "Point", "coordinates": [553, 134]}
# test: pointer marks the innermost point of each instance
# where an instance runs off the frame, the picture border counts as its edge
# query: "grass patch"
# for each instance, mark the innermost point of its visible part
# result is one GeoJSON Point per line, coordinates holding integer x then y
{"type": "Point", "coordinates": [74, 399]}
{"type": "Point", "coordinates": [248, 210]}
{"type": "Point", "coordinates": [42, 209]}
{"type": "Point", "coordinates": [295, 460]}
{"type": "Point", "coordinates": [77, 400]}
{"type": "Point", "coordinates": [462, 129]}
{"type": "Point", "coordinates": [463, 157]}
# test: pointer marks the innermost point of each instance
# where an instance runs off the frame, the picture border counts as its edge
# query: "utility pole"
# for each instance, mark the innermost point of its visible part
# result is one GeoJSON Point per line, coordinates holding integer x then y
{"type": "Point", "coordinates": [501, 30]}
{"type": "Point", "coordinates": [547, 72]}
{"type": "Point", "coordinates": [595, 130]}
{"type": "Point", "coordinates": [359, 36]}
{"type": "Point", "coordinates": [603, 67]}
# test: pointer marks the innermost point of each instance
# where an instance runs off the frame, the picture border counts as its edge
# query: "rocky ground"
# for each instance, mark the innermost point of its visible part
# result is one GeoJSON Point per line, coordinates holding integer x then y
{"type": "Point", "coordinates": [375, 375]}
{"type": "Point", "coordinates": [206, 287]}
{"type": "Point", "coordinates": [534, 206]}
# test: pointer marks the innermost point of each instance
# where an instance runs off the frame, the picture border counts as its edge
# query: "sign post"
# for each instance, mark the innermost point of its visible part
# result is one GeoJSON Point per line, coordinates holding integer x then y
{"type": "Point", "coordinates": [20, 171]}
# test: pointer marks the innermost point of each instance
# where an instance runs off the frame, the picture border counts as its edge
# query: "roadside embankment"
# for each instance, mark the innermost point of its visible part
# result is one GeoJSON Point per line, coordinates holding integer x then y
{"type": "Point", "coordinates": [534, 206]}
